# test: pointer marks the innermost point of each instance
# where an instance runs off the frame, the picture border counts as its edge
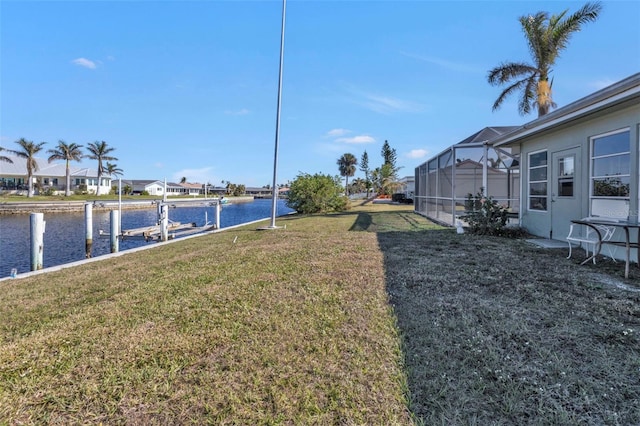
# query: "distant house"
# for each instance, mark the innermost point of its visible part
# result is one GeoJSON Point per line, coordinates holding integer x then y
{"type": "Point", "coordinates": [139, 186]}
{"type": "Point", "coordinates": [157, 188]}
{"type": "Point", "coordinates": [258, 192]}
{"type": "Point", "coordinates": [407, 186]}
{"type": "Point", "coordinates": [192, 189]}
{"type": "Point", "coordinates": [88, 178]}
{"type": "Point", "coordinates": [49, 176]}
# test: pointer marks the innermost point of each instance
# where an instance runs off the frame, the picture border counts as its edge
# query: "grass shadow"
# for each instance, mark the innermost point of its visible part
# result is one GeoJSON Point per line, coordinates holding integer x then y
{"type": "Point", "coordinates": [496, 330]}
{"type": "Point", "coordinates": [362, 222]}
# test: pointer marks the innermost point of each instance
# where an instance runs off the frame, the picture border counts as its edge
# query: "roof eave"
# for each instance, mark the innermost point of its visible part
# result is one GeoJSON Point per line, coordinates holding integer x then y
{"type": "Point", "coordinates": [620, 93]}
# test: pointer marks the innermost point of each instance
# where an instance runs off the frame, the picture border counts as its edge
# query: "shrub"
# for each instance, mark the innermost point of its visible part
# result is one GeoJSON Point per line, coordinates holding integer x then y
{"type": "Point", "coordinates": [484, 215]}
{"type": "Point", "coordinates": [49, 191]}
{"type": "Point", "coordinates": [317, 194]}
{"type": "Point", "coordinates": [80, 190]}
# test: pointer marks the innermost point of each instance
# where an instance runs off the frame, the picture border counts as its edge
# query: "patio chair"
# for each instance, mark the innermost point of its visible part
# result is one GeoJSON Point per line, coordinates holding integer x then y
{"type": "Point", "coordinates": [588, 238]}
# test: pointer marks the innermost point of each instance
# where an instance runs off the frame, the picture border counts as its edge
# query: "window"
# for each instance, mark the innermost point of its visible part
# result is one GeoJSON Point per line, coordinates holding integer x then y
{"type": "Point", "coordinates": [566, 172]}
{"type": "Point", "coordinates": [538, 181]}
{"type": "Point", "coordinates": [610, 174]}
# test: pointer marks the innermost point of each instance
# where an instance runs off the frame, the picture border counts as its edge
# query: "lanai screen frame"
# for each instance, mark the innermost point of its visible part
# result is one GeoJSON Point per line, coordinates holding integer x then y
{"type": "Point", "coordinates": [441, 190]}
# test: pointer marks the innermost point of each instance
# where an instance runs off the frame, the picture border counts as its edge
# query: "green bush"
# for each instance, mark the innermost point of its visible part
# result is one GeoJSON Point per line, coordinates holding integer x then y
{"type": "Point", "coordinates": [317, 194]}
{"type": "Point", "coordinates": [484, 215]}
{"type": "Point", "coordinates": [80, 190]}
{"type": "Point", "coordinates": [49, 192]}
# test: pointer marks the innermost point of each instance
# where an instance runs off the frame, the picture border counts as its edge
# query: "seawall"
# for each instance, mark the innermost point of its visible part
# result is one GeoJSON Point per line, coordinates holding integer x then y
{"type": "Point", "coordinates": [98, 205]}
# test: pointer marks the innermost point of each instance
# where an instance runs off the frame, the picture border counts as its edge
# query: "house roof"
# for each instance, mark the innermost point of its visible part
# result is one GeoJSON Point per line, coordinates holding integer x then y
{"type": "Point", "coordinates": [141, 181]}
{"type": "Point", "coordinates": [617, 96]}
{"type": "Point", "coordinates": [191, 185]}
{"type": "Point", "coordinates": [84, 172]}
{"type": "Point", "coordinates": [487, 134]}
{"type": "Point", "coordinates": [46, 169]}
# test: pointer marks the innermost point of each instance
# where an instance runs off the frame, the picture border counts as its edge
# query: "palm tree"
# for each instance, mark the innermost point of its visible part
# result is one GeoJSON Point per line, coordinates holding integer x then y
{"type": "Point", "coordinates": [546, 36]}
{"type": "Point", "coordinates": [359, 185]}
{"type": "Point", "coordinates": [384, 179]}
{"type": "Point", "coordinates": [113, 170]}
{"type": "Point", "coordinates": [66, 152]}
{"type": "Point", "coordinates": [347, 166]}
{"type": "Point", "coordinates": [3, 158]}
{"type": "Point", "coordinates": [364, 167]}
{"type": "Point", "coordinates": [100, 151]}
{"type": "Point", "coordinates": [28, 152]}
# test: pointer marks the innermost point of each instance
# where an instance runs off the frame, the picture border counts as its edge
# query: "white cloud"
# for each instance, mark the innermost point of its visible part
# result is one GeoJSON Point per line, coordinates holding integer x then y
{"type": "Point", "coordinates": [387, 104]}
{"type": "Point", "coordinates": [384, 104]}
{"type": "Point", "coordinates": [242, 111]}
{"type": "Point", "coordinates": [357, 139]}
{"type": "Point", "coordinates": [86, 63]}
{"type": "Point", "coordinates": [443, 63]}
{"type": "Point", "coordinates": [334, 133]}
{"type": "Point", "coordinates": [418, 153]}
{"type": "Point", "coordinates": [202, 175]}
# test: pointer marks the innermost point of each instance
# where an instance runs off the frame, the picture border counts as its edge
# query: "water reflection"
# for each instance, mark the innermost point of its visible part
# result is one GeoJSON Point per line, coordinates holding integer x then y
{"type": "Point", "coordinates": [64, 237]}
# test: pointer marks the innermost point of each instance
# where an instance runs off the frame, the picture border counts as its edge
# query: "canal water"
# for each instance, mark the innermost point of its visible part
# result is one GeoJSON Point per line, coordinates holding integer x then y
{"type": "Point", "coordinates": [64, 236]}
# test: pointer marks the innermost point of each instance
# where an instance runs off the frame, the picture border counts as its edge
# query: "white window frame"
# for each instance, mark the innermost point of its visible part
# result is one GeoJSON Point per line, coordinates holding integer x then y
{"type": "Point", "coordinates": [529, 181]}
{"type": "Point", "coordinates": [614, 212]}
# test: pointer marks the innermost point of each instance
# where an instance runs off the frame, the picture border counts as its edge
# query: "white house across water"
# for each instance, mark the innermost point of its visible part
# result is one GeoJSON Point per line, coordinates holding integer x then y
{"type": "Point", "coordinates": [13, 177]}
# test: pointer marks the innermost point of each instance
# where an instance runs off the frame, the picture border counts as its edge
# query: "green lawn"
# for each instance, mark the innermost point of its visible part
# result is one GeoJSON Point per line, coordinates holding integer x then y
{"type": "Point", "coordinates": [375, 317]}
{"type": "Point", "coordinates": [290, 326]}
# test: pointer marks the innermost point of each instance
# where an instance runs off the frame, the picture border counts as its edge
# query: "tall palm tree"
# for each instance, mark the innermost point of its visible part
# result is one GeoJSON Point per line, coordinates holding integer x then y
{"type": "Point", "coordinates": [100, 151]}
{"type": "Point", "coordinates": [66, 152]}
{"type": "Point", "coordinates": [384, 179]}
{"type": "Point", "coordinates": [4, 158]}
{"type": "Point", "coordinates": [546, 36]}
{"type": "Point", "coordinates": [28, 151]}
{"type": "Point", "coordinates": [347, 166]}
{"type": "Point", "coordinates": [364, 167]}
{"type": "Point", "coordinates": [112, 169]}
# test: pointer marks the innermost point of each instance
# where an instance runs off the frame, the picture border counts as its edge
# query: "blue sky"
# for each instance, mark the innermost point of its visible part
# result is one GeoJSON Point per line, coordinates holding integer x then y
{"type": "Point", "coordinates": [189, 88]}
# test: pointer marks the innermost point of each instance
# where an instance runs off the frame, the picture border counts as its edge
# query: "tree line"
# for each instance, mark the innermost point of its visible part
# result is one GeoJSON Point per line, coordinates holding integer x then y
{"type": "Point", "coordinates": [98, 150]}
{"type": "Point", "coordinates": [382, 180]}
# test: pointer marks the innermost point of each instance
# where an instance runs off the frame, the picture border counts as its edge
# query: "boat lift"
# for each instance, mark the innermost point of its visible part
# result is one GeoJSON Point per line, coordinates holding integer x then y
{"type": "Point", "coordinates": [164, 229]}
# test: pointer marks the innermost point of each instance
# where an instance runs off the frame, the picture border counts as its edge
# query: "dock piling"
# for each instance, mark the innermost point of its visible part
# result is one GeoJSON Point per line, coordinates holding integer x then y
{"type": "Point", "coordinates": [164, 223]}
{"type": "Point", "coordinates": [88, 229]}
{"type": "Point", "coordinates": [218, 206]}
{"type": "Point", "coordinates": [115, 227]}
{"type": "Point", "coordinates": [37, 225]}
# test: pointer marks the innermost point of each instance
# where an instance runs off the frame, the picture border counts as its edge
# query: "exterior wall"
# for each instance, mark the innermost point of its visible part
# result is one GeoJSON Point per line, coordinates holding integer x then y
{"type": "Point", "coordinates": [155, 189]}
{"type": "Point", "coordinates": [105, 186]}
{"type": "Point", "coordinates": [407, 186]}
{"type": "Point", "coordinates": [578, 135]}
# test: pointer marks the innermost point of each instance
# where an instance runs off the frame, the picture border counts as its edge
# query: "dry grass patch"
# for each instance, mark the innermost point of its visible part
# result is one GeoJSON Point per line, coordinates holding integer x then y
{"type": "Point", "coordinates": [281, 327]}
